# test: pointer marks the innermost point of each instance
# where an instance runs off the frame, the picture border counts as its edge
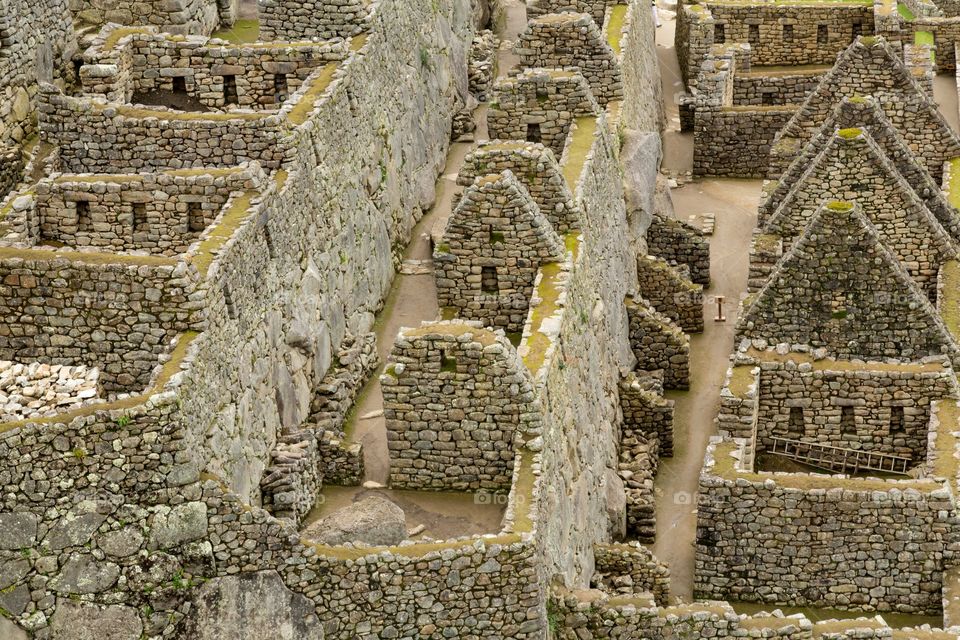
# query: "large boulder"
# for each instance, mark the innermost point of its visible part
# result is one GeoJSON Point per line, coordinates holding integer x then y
{"type": "Point", "coordinates": [83, 621]}
{"type": "Point", "coordinates": [373, 520]}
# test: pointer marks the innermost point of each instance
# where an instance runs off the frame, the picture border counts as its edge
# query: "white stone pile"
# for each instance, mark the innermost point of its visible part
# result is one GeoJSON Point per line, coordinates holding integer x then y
{"type": "Point", "coordinates": [37, 389]}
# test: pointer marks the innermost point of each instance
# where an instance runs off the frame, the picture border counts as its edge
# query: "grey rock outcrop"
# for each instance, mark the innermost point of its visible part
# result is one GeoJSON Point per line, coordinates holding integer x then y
{"type": "Point", "coordinates": [372, 520]}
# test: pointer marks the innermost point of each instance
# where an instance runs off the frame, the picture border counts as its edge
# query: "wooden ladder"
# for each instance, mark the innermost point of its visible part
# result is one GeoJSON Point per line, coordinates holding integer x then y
{"type": "Point", "coordinates": [839, 459]}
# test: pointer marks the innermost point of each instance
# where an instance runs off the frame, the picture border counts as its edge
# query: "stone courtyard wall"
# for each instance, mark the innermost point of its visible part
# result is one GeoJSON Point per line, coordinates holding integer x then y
{"type": "Point", "coordinates": [124, 63]}
{"type": "Point", "coordinates": [73, 309]}
{"type": "Point", "coordinates": [853, 543]}
{"type": "Point", "coordinates": [198, 17]}
{"type": "Point", "coordinates": [770, 89]}
{"type": "Point", "coordinates": [822, 394]}
{"type": "Point", "coordinates": [292, 20]}
{"type": "Point", "coordinates": [169, 224]}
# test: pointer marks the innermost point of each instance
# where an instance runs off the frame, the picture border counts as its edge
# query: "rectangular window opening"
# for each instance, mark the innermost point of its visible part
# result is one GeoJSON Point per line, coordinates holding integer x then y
{"type": "Point", "coordinates": [139, 222]}
{"type": "Point", "coordinates": [897, 420]}
{"type": "Point", "coordinates": [753, 34]}
{"type": "Point", "coordinates": [179, 84]}
{"type": "Point", "coordinates": [796, 429]}
{"type": "Point", "coordinates": [447, 363]}
{"type": "Point", "coordinates": [823, 34]}
{"type": "Point", "coordinates": [230, 95]}
{"type": "Point", "coordinates": [196, 221]}
{"type": "Point", "coordinates": [488, 280]}
{"type": "Point", "coordinates": [281, 89]}
{"type": "Point", "coordinates": [719, 33]}
{"type": "Point", "coordinates": [848, 424]}
{"type": "Point", "coordinates": [533, 133]}
{"type": "Point", "coordinates": [83, 215]}
{"type": "Point", "coordinates": [856, 29]}
{"type": "Point", "coordinates": [788, 33]}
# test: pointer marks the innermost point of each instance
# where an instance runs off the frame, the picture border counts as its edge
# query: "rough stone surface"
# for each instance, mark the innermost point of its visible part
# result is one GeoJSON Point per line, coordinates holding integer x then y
{"type": "Point", "coordinates": [373, 520]}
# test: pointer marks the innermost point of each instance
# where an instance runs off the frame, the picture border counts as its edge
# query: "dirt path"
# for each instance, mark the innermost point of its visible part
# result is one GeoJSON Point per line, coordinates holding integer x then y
{"type": "Point", "coordinates": [733, 202]}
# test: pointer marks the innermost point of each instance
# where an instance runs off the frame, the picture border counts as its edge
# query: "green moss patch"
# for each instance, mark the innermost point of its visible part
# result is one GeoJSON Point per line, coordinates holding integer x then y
{"type": "Point", "coordinates": [301, 111]}
{"type": "Point", "coordinates": [839, 205]}
{"type": "Point", "coordinates": [578, 149]}
{"type": "Point", "coordinates": [242, 32]}
{"type": "Point", "coordinates": [222, 232]}
{"type": "Point", "coordinates": [850, 134]}
{"type": "Point", "coordinates": [905, 12]}
{"type": "Point", "coordinates": [618, 17]}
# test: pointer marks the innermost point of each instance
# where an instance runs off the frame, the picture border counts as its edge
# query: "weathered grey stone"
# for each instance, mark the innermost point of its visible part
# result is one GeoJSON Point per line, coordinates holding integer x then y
{"type": "Point", "coordinates": [76, 527]}
{"type": "Point", "coordinates": [82, 621]}
{"type": "Point", "coordinates": [82, 573]}
{"type": "Point", "coordinates": [18, 530]}
{"type": "Point", "coordinates": [253, 606]}
{"type": "Point", "coordinates": [10, 631]}
{"type": "Point", "coordinates": [183, 523]}
{"type": "Point", "coordinates": [372, 520]}
{"type": "Point", "coordinates": [122, 543]}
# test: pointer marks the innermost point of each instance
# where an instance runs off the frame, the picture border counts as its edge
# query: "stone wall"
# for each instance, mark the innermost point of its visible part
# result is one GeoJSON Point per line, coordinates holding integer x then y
{"type": "Point", "coordinates": [455, 398]}
{"type": "Point", "coordinates": [293, 20]}
{"type": "Point", "coordinates": [495, 241]}
{"type": "Point", "coordinates": [38, 43]}
{"type": "Point", "coordinates": [819, 396]}
{"type": "Point", "coordinates": [573, 40]}
{"type": "Point", "coordinates": [732, 139]}
{"type": "Point", "coordinates": [671, 294]}
{"type": "Point", "coordinates": [777, 34]}
{"type": "Point", "coordinates": [863, 305]}
{"type": "Point", "coordinates": [124, 64]}
{"type": "Point", "coordinates": [646, 574]}
{"type": "Point", "coordinates": [759, 88]}
{"type": "Point", "coordinates": [101, 138]}
{"type": "Point", "coordinates": [680, 243]}
{"type": "Point", "coordinates": [129, 213]}
{"type": "Point", "coordinates": [539, 105]}
{"type": "Point", "coordinates": [74, 309]}
{"type": "Point", "coordinates": [643, 106]}
{"type": "Point", "coordinates": [535, 167]}
{"type": "Point", "coordinates": [852, 165]}
{"type": "Point", "coordinates": [596, 8]}
{"type": "Point", "coordinates": [847, 539]}
{"type": "Point", "coordinates": [199, 17]}
{"type": "Point", "coordinates": [659, 344]}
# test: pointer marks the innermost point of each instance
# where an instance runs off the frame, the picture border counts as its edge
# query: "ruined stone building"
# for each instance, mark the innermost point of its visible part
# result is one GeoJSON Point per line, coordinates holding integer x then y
{"type": "Point", "coordinates": [343, 319]}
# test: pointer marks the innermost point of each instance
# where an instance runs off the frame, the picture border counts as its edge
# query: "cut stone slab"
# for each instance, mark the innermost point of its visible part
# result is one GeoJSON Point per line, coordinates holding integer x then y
{"type": "Point", "coordinates": [18, 530]}
{"type": "Point", "coordinates": [183, 523]}
{"type": "Point", "coordinates": [83, 574]}
{"type": "Point", "coordinates": [252, 606]}
{"type": "Point", "coordinates": [373, 520]}
{"type": "Point", "coordinates": [81, 621]}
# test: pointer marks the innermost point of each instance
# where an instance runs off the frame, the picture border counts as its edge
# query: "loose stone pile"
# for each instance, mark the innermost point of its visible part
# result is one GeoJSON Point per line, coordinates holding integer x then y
{"type": "Point", "coordinates": [34, 390]}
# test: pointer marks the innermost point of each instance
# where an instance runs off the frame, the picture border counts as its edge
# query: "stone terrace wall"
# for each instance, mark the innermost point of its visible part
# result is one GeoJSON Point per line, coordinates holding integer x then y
{"type": "Point", "coordinates": [177, 16]}
{"type": "Point", "coordinates": [161, 213]}
{"type": "Point", "coordinates": [495, 241]}
{"type": "Point", "coordinates": [142, 62]}
{"type": "Point", "coordinates": [291, 20]}
{"type": "Point", "coordinates": [573, 40]}
{"type": "Point", "coordinates": [455, 399]}
{"type": "Point", "coordinates": [73, 310]}
{"type": "Point", "coordinates": [547, 100]}
{"type": "Point", "coordinates": [854, 544]}
{"type": "Point", "coordinates": [536, 167]}
{"type": "Point", "coordinates": [872, 394]}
